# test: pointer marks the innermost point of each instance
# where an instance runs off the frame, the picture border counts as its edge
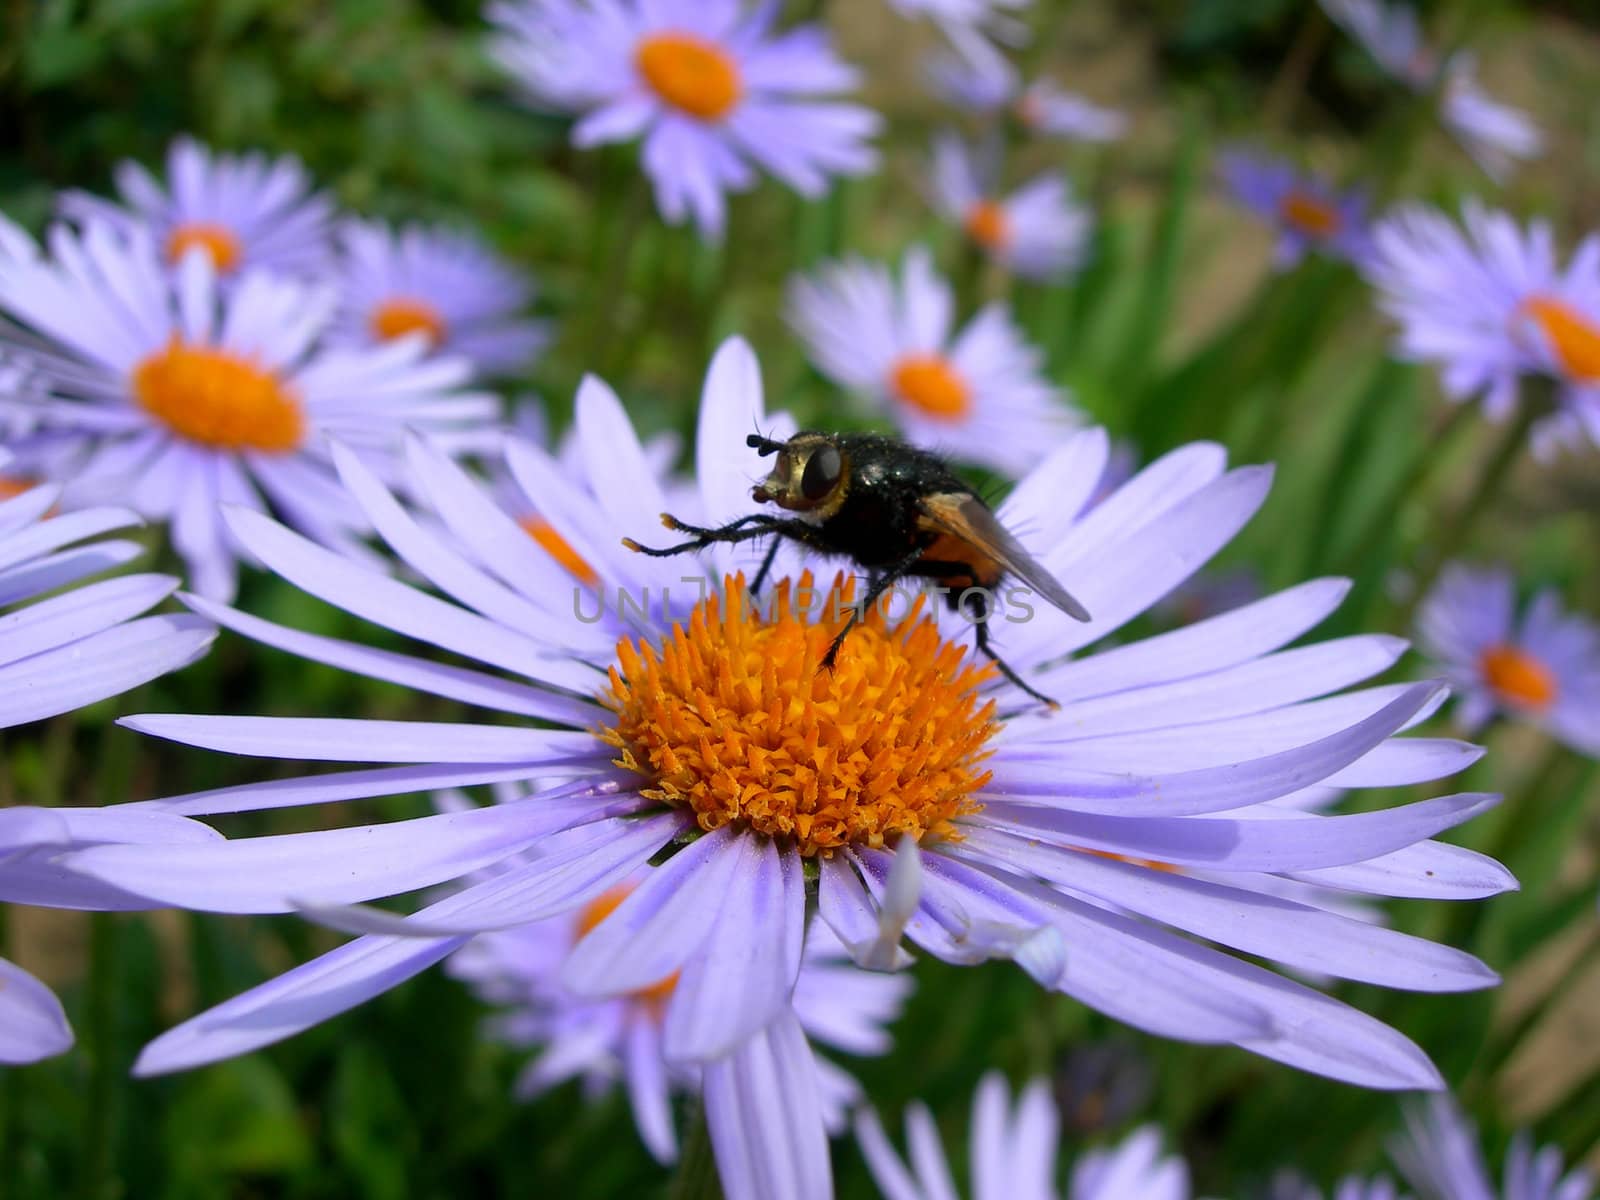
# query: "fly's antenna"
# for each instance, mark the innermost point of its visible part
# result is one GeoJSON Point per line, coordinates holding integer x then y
{"type": "Point", "coordinates": [763, 444]}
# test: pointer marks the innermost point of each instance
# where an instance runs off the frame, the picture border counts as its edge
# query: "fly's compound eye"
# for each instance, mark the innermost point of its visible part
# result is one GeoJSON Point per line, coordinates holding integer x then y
{"type": "Point", "coordinates": [821, 475]}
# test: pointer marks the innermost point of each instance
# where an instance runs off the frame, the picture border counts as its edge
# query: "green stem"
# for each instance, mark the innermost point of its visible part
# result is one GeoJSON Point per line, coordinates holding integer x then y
{"type": "Point", "coordinates": [207, 64]}
{"type": "Point", "coordinates": [696, 1177]}
{"type": "Point", "coordinates": [1519, 813]}
{"type": "Point", "coordinates": [11, 1093]}
{"type": "Point", "coordinates": [607, 301]}
{"type": "Point", "coordinates": [721, 281]}
{"type": "Point", "coordinates": [106, 1063]}
{"type": "Point", "coordinates": [1529, 805]}
{"type": "Point", "coordinates": [1454, 534]}
{"type": "Point", "coordinates": [100, 1044]}
{"type": "Point", "coordinates": [1386, 168]}
{"type": "Point", "coordinates": [1417, 475]}
{"type": "Point", "coordinates": [1140, 345]}
{"type": "Point", "coordinates": [1289, 85]}
{"type": "Point", "coordinates": [969, 276]}
{"type": "Point", "coordinates": [808, 10]}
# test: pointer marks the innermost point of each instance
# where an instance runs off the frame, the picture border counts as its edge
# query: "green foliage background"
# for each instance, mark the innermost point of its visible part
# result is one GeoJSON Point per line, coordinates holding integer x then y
{"type": "Point", "coordinates": [1172, 333]}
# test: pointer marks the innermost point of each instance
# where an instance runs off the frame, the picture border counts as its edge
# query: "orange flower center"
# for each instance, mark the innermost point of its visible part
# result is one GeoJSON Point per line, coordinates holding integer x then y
{"type": "Point", "coordinates": [988, 225]}
{"type": "Point", "coordinates": [929, 384]}
{"type": "Point", "coordinates": [400, 316]}
{"type": "Point", "coordinates": [596, 911]}
{"type": "Point", "coordinates": [11, 486]}
{"type": "Point", "coordinates": [1312, 216]}
{"type": "Point", "coordinates": [1519, 678]}
{"type": "Point", "coordinates": [733, 719]}
{"type": "Point", "coordinates": [216, 240]}
{"type": "Point", "coordinates": [690, 73]}
{"type": "Point", "coordinates": [218, 399]}
{"type": "Point", "coordinates": [558, 548]}
{"type": "Point", "coordinates": [1574, 337]}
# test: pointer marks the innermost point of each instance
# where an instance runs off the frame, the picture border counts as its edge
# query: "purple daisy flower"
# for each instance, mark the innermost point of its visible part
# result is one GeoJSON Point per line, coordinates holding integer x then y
{"type": "Point", "coordinates": [977, 392]}
{"type": "Point", "coordinates": [182, 396]}
{"type": "Point", "coordinates": [1496, 135]}
{"type": "Point", "coordinates": [1440, 1157]}
{"type": "Point", "coordinates": [1489, 304]}
{"type": "Point", "coordinates": [1014, 1154]}
{"type": "Point", "coordinates": [81, 645]}
{"type": "Point", "coordinates": [709, 84]}
{"type": "Point", "coordinates": [1037, 231]}
{"type": "Point", "coordinates": [244, 211]}
{"type": "Point", "coordinates": [1543, 668]}
{"type": "Point", "coordinates": [1039, 830]}
{"type": "Point", "coordinates": [1041, 106]}
{"type": "Point", "coordinates": [1310, 216]}
{"type": "Point", "coordinates": [601, 1041]}
{"type": "Point", "coordinates": [443, 284]}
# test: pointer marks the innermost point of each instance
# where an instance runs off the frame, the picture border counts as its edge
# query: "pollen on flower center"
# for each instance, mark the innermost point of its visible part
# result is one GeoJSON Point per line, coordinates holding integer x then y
{"type": "Point", "coordinates": [218, 399]}
{"type": "Point", "coordinates": [1310, 215]}
{"type": "Point", "coordinates": [733, 719]}
{"type": "Point", "coordinates": [988, 225]}
{"type": "Point", "coordinates": [929, 384]}
{"type": "Point", "coordinates": [690, 73]}
{"type": "Point", "coordinates": [11, 486]}
{"type": "Point", "coordinates": [1573, 336]}
{"type": "Point", "coordinates": [216, 240]}
{"type": "Point", "coordinates": [558, 548]}
{"type": "Point", "coordinates": [402, 315]}
{"type": "Point", "coordinates": [1519, 677]}
{"type": "Point", "coordinates": [596, 911]}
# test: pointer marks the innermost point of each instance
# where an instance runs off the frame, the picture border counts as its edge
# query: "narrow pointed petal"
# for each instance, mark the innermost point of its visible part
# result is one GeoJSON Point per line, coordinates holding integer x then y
{"type": "Point", "coordinates": [1245, 845]}
{"type": "Point", "coordinates": [744, 975]}
{"type": "Point", "coordinates": [765, 1118]}
{"type": "Point", "coordinates": [653, 932]}
{"type": "Point", "coordinates": [339, 739]}
{"type": "Point", "coordinates": [104, 664]}
{"type": "Point", "coordinates": [293, 1002]}
{"type": "Point", "coordinates": [282, 872]}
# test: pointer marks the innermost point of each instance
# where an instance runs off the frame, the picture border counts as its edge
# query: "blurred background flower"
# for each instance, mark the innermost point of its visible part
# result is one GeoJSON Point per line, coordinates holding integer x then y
{"type": "Point", "coordinates": [602, 1042]}
{"type": "Point", "coordinates": [1308, 214]}
{"type": "Point", "coordinates": [977, 390]}
{"type": "Point", "coordinates": [711, 85]}
{"type": "Point", "coordinates": [1014, 1152]}
{"type": "Point", "coordinates": [1036, 231]}
{"type": "Point", "coordinates": [243, 211]}
{"type": "Point", "coordinates": [1542, 666]}
{"type": "Point", "coordinates": [442, 284]}
{"type": "Point", "coordinates": [179, 395]}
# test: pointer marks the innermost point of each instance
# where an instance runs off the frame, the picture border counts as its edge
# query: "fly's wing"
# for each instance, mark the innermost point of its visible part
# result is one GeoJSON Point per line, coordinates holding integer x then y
{"type": "Point", "coordinates": [969, 519]}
